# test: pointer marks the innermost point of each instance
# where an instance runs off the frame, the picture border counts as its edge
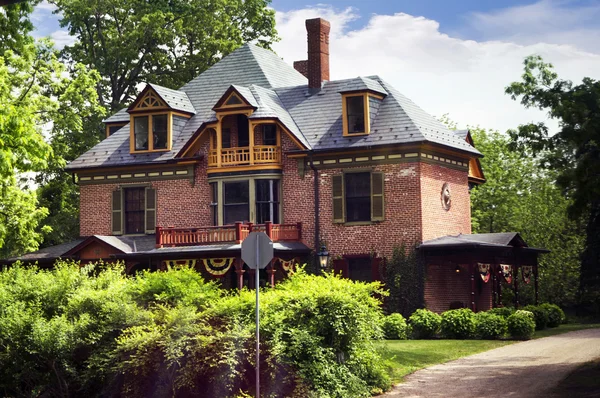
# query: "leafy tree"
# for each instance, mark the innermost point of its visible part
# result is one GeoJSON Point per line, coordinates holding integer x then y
{"type": "Point", "coordinates": [163, 42]}
{"type": "Point", "coordinates": [573, 152]}
{"type": "Point", "coordinates": [34, 92]}
{"type": "Point", "coordinates": [519, 195]}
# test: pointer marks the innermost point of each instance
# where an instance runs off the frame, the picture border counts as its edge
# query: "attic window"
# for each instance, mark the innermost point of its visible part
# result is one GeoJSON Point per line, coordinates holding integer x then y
{"type": "Point", "coordinates": [355, 114]}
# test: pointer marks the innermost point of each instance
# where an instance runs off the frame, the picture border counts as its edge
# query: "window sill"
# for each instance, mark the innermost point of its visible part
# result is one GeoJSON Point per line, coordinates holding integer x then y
{"type": "Point", "coordinates": [356, 134]}
{"type": "Point", "coordinates": [358, 223]}
{"type": "Point", "coordinates": [150, 151]}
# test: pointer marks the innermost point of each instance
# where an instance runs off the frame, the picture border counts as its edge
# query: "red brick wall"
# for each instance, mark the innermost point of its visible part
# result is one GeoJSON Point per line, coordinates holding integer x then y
{"type": "Point", "coordinates": [402, 214]}
{"type": "Point", "coordinates": [436, 221]}
{"type": "Point", "coordinates": [443, 285]}
{"type": "Point", "coordinates": [298, 194]}
{"type": "Point", "coordinates": [180, 203]}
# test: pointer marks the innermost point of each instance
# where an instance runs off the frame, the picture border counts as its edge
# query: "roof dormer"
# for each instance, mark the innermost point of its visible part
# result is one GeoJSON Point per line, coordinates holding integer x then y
{"type": "Point", "coordinates": [236, 98]}
{"type": "Point", "coordinates": [357, 98]}
{"type": "Point", "coordinates": [151, 118]}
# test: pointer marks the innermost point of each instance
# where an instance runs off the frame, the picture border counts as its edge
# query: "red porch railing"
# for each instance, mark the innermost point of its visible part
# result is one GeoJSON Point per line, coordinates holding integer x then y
{"type": "Point", "coordinates": [173, 237]}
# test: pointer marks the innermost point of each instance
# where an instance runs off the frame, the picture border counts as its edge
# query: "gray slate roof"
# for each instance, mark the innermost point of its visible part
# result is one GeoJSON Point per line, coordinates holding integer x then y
{"type": "Point", "coordinates": [280, 91]}
{"type": "Point", "coordinates": [176, 99]}
{"type": "Point", "coordinates": [46, 254]}
{"type": "Point", "coordinates": [120, 116]}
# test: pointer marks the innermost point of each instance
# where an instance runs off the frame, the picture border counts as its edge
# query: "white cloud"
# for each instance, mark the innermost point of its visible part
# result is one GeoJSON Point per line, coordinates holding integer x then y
{"type": "Point", "coordinates": [439, 72]}
{"type": "Point", "coordinates": [62, 38]}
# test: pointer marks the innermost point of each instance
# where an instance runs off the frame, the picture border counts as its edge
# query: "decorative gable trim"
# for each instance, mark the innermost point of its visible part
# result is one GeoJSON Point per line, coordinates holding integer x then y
{"type": "Point", "coordinates": [148, 100]}
{"type": "Point", "coordinates": [233, 100]}
{"type": "Point", "coordinates": [476, 175]}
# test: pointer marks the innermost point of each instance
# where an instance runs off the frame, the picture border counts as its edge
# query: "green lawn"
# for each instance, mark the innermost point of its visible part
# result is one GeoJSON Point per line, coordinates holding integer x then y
{"type": "Point", "coordinates": [403, 357]}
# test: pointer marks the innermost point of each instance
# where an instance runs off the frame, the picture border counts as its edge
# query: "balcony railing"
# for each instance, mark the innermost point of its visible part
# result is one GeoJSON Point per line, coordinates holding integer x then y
{"type": "Point", "coordinates": [175, 237]}
{"type": "Point", "coordinates": [243, 156]}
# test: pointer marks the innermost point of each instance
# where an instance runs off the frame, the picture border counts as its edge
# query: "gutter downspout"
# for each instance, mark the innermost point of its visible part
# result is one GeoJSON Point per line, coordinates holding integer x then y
{"type": "Point", "coordinates": [316, 189]}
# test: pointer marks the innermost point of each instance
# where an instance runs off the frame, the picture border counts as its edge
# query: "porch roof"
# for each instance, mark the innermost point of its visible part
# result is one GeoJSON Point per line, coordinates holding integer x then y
{"type": "Point", "coordinates": [491, 241]}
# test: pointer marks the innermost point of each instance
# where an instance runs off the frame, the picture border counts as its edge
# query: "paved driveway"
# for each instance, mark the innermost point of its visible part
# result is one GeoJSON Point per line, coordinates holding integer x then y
{"type": "Point", "coordinates": [528, 369]}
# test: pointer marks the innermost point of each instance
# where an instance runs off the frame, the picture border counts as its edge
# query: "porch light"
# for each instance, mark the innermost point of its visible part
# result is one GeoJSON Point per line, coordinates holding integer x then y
{"type": "Point", "coordinates": [323, 257]}
{"type": "Point", "coordinates": [457, 269]}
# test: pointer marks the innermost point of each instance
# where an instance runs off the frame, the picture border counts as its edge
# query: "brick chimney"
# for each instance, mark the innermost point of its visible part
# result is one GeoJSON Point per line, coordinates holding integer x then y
{"type": "Point", "coordinates": [316, 69]}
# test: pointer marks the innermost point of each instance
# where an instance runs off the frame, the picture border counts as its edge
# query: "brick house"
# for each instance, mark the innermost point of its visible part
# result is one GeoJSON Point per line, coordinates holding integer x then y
{"type": "Point", "coordinates": [256, 144]}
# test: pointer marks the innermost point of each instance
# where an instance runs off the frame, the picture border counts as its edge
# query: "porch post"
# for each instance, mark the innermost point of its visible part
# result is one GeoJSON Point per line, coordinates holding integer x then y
{"type": "Point", "coordinates": [494, 287]}
{"type": "Point", "coordinates": [499, 286]}
{"type": "Point", "coordinates": [239, 270]}
{"type": "Point", "coordinates": [252, 282]}
{"type": "Point", "coordinates": [535, 274]}
{"type": "Point", "coordinates": [271, 272]}
{"type": "Point", "coordinates": [516, 281]}
{"type": "Point", "coordinates": [473, 306]}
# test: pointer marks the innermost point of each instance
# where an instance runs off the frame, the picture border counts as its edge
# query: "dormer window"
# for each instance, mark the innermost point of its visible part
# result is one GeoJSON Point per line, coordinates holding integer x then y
{"type": "Point", "coordinates": [355, 114]}
{"type": "Point", "coordinates": [152, 116]}
{"type": "Point", "coordinates": [152, 132]}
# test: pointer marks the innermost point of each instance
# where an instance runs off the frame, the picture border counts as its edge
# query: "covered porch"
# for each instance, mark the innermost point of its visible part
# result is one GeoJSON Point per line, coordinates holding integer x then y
{"type": "Point", "coordinates": [468, 271]}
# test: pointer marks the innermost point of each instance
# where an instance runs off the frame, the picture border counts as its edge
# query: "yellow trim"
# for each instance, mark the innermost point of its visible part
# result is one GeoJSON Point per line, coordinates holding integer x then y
{"type": "Point", "coordinates": [222, 114]}
{"type": "Point", "coordinates": [182, 114]}
{"type": "Point", "coordinates": [150, 132]}
{"type": "Point", "coordinates": [367, 120]}
{"type": "Point", "coordinates": [114, 124]}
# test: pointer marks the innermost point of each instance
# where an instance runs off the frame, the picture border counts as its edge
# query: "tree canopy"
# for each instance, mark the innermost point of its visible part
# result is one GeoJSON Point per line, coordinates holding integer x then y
{"type": "Point", "coordinates": [164, 42]}
{"type": "Point", "coordinates": [520, 195]}
{"type": "Point", "coordinates": [38, 99]}
{"type": "Point", "coordinates": [573, 152]}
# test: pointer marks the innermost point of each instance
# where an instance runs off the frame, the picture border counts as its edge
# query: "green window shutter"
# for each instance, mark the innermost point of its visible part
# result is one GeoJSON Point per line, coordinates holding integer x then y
{"type": "Point", "coordinates": [117, 212]}
{"type": "Point", "coordinates": [338, 198]}
{"type": "Point", "coordinates": [377, 206]}
{"type": "Point", "coordinates": [150, 210]}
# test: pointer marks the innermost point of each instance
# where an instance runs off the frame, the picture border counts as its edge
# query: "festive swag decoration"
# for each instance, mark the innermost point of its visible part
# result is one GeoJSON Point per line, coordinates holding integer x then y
{"type": "Point", "coordinates": [527, 272]}
{"type": "Point", "coordinates": [288, 266]}
{"type": "Point", "coordinates": [168, 264]}
{"type": "Point", "coordinates": [506, 272]}
{"type": "Point", "coordinates": [217, 266]}
{"type": "Point", "coordinates": [484, 271]}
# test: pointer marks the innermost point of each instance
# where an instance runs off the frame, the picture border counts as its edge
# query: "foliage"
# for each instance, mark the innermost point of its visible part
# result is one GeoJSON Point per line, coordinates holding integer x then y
{"type": "Point", "coordinates": [395, 327]}
{"type": "Point", "coordinates": [540, 315]}
{"type": "Point", "coordinates": [458, 324]}
{"type": "Point", "coordinates": [166, 42]}
{"type": "Point", "coordinates": [34, 93]}
{"type": "Point", "coordinates": [504, 312]}
{"type": "Point", "coordinates": [424, 323]}
{"type": "Point", "coordinates": [520, 195]}
{"type": "Point", "coordinates": [573, 152]}
{"type": "Point", "coordinates": [490, 326]}
{"type": "Point", "coordinates": [521, 325]}
{"type": "Point", "coordinates": [403, 278]}
{"type": "Point", "coordinates": [556, 316]}
{"type": "Point", "coordinates": [92, 331]}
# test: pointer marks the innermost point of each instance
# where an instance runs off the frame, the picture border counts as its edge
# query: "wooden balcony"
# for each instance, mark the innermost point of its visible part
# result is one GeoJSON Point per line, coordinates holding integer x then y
{"type": "Point", "coordinates": [245, 156]}
{"type": "Point", "coordinates": [175, 237]}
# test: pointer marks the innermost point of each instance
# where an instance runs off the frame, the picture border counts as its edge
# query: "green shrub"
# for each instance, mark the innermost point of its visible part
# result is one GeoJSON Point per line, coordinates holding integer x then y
{"type": "Point", "coordinates": [93, 332]}
{"type": "Point", "coordinates": [504, 312]}
{"type": "Point", "coordinates": [394, 327]}
{"type": "Point", "coordinates": [540, 314]}
{"type": "Point", "coordinates": [490, 326]}
{"type": "Point", "coordinates": [458, 324]}
{"type": "Point", "coordinates": [424, 324]}
{"type": "Point", "coordinates": [556, 316]}
{"type": "Point", "coordinates": [521, 325]}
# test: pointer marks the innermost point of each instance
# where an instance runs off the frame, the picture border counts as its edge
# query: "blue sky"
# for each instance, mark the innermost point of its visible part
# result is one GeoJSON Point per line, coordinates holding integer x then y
{"type": "Point", "coordinates": [449, 57]}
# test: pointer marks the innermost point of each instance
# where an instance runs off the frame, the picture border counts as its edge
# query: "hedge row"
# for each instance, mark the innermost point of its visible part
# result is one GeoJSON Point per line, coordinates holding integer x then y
{"type": "Point", "coordinates": [465, 324]}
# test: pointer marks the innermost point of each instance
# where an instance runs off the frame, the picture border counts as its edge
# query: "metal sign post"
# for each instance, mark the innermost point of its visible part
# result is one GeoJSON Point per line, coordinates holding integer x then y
{"type": "Point", "coordinates": [257, 252]}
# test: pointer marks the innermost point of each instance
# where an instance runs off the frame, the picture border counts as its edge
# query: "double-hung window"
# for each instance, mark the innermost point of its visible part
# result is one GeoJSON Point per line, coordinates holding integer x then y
{"type": "Point", "coordinates": [133, 210]}
{"type": "Point", "coordinates": [236, 202]}
{"type": "Point", "coordinates": [267, 201]}
{"type": "Point", "coordinates": [358, 197]}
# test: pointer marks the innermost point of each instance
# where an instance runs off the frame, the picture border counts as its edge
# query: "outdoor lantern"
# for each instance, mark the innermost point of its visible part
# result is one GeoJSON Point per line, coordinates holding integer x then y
{"type": "Point", "coordinates": [323, 257]}
{"type": "Point", "coordinates": [457, 269]}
